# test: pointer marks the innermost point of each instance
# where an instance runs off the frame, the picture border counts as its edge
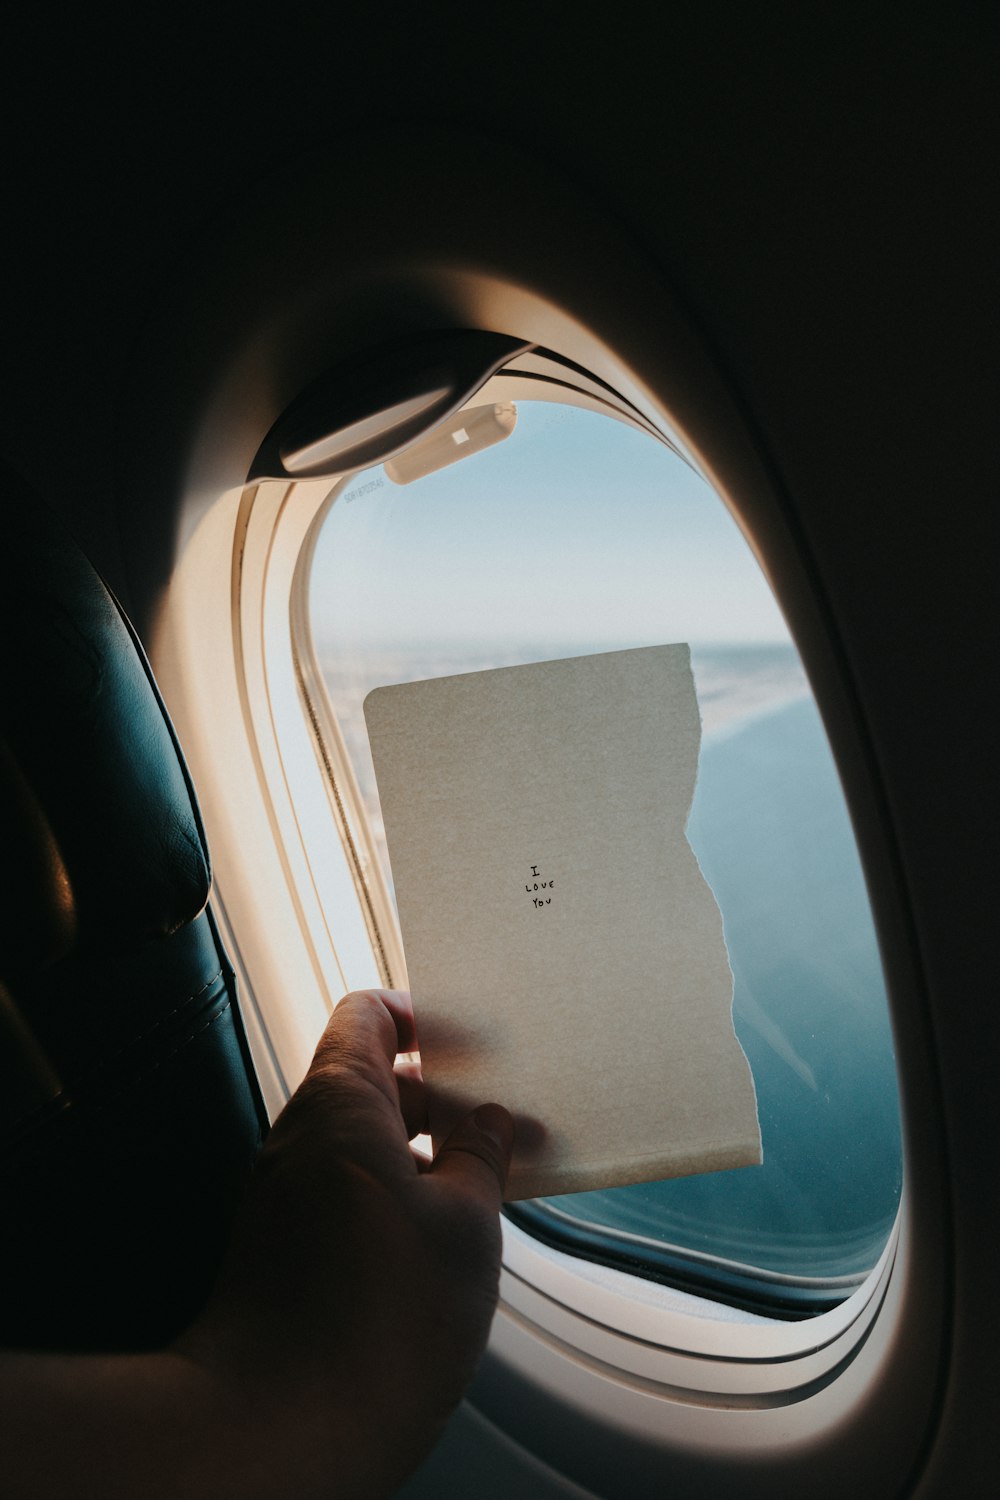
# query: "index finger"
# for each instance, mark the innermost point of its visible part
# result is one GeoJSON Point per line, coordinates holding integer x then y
{"type": "Point", "coordinates": [367, 1027]}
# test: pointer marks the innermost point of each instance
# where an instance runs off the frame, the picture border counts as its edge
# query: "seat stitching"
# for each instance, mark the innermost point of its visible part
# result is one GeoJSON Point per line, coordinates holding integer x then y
{"type": "Point", "coordinates": [105, 1104]}
{"type": "Point", "coordinates": [140, 1077]}
{"type": "Point", "coordinates": [106, 1062]}
{"type": "Point", "coordinates": [161, 1021]}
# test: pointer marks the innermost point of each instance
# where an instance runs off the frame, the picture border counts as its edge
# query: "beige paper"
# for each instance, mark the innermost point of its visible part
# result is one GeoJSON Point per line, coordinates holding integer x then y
{"type": "Point", "coordinates": [565, 954]}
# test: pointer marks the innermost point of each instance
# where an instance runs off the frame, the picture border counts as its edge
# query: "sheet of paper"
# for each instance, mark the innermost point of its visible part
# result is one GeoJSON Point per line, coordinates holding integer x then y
{"type": "Point", "coordinates": [565, 953]}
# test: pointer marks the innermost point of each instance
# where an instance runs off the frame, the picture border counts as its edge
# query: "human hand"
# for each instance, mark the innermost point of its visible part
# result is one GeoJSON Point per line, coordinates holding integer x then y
{"type": "Point", "coordinates": [360, 1285]}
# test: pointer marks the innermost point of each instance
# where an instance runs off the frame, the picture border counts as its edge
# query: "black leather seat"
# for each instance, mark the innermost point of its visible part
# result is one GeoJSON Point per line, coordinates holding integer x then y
{"type": "Point", "coordinates": [129, 1112]}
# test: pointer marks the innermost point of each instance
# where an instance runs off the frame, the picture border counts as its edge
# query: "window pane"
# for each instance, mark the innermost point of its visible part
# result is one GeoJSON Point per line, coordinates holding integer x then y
{"type": "Point", "coordinates": [579, 534]}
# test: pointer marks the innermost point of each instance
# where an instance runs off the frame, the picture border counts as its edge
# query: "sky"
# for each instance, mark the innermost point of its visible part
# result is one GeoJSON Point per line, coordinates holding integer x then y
{"type": "Point", "coordinates": [576, 530]}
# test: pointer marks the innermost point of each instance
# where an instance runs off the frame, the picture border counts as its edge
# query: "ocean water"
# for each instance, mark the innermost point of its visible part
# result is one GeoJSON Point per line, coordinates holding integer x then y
{"type": "Point", "coordinates": [772, 836]}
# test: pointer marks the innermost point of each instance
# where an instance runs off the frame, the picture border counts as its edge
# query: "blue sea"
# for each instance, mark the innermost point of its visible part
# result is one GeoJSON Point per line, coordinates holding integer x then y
{"type": "Point", "coordinates": [772, 836]}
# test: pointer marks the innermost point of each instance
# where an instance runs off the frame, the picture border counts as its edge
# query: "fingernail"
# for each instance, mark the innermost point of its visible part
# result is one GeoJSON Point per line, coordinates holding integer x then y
{"type": "Point", "coordinates": [494, 1122]}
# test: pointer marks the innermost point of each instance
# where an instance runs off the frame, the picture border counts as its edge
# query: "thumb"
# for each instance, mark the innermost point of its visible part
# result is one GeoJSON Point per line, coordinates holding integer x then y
{"type": "Point", "coordinates": [476, 1155]}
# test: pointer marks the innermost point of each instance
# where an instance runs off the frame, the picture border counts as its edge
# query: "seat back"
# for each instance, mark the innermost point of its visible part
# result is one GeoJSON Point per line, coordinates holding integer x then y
{"type": "Point", "coordinates": [129, 1111]}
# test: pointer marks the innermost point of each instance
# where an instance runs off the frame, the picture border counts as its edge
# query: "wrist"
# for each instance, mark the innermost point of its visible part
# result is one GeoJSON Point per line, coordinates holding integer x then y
{"type": "Point", "coordinates": [277, 1425]}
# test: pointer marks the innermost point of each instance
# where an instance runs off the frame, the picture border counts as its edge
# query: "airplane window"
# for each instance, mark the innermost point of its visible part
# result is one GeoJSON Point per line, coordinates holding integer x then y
{"type": "Point", "coordinates": [576, 533]}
